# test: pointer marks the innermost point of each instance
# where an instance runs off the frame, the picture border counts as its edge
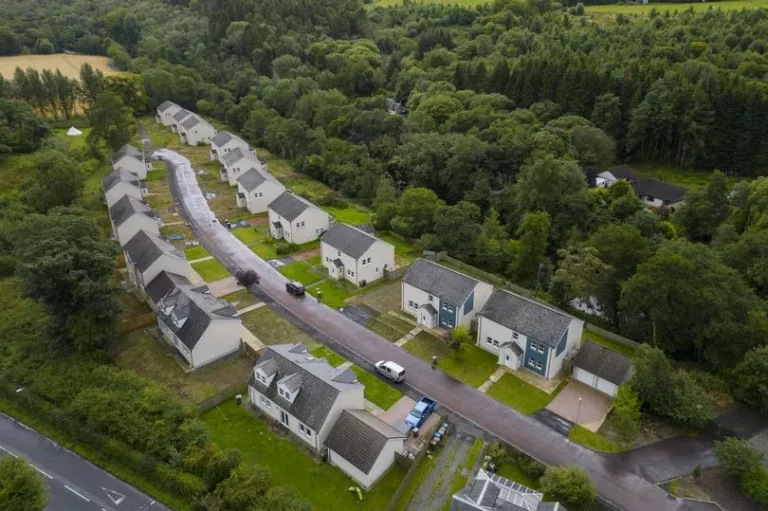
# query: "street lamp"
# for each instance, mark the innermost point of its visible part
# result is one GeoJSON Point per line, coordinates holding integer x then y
{"type": "Point", "coordinates": [578, 411]}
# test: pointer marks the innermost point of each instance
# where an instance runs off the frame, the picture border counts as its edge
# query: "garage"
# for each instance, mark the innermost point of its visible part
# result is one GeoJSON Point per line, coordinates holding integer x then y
{"type": "Point", "coordinates": [601, 368]}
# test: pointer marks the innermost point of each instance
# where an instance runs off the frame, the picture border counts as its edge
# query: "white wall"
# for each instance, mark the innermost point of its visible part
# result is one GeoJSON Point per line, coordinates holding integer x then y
{"type": "Point", "coordinates": [174, 341]}
{"type": "Point", "coordinates": [229, 146]}
{"type": "Point", "coordinates": [133, 225]}
{"type": "Point", "coordinates": [166, 118]}
{"type": "Point", "coordinates": [316, 222]}
{"type": "Point", "coordinates": [221, 338]}
{"type": "Point", "coordinates": [489, 328]}
{"type": "Point", "coordinates": [200, 133]}
{"type": "Point", "coordinates": [380, 253]}
{"type": "Point", "coordinates": [165, 262]}
{"type": "Point", "coordinates": [257, 201]}
{"type": "Point", "coordinates": [238, 168]}
{"type": "Point", "coordinates": [121, 189]}
{"type": "Point", "coordinates": [131, 164]}
{"type": "Point", "coordinates": [410, 293]}
{"type": "Point", "coordinates": [274, 217]}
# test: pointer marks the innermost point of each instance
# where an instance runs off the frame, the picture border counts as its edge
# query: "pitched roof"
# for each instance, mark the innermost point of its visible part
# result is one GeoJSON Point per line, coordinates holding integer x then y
{"type": "Point", "coordinates": [181, 115]}
{"type": "Point", "coordinates": [349, 240]}
{"type": "Point", "coordinates": [127, 150]}
{"type": "Point", "coordinates": [320, 386]}
{"type": "Point", "coordinates": [622, 172]}
{"type": "Point", "coordinates": [523, 315]}
{"type": "Point", "coordinates": [163, 284]}
{"type": "Point", "coordinates": [144, 249]}
{"type": "Point", "coordinates": [605, 363]}
{"type": "Point", "coordinates": [237, 154]}
{"type": "Point", "coordinates": [224, 137]}
{"type": "Point", "coordinates": [290, 206]}
{"type": "Point", "coordinates": [446, 284]}
{"type": "Point", "coordinates": [165, 105]}
{"type": "Point", "coordinates": [659, 190]}
{"type": "Point", "coordinates": [188, 311]}
{"type": "Point", "coordinates": [359, 437]}
{"type": "Point", "coordinates": [490, 491]}
{"type": "Point", "coordinates": [254, 177]}
{"type": "Point", "coordinates": [126, 207]}
{"type": "Point", "coordinates": [191, 121]}
{"type": "Point", "coordinates": [119, 175]}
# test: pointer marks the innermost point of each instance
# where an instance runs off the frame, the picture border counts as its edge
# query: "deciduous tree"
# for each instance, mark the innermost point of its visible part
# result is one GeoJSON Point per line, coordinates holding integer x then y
{"type": "Point", "coordinates": [21, 488]}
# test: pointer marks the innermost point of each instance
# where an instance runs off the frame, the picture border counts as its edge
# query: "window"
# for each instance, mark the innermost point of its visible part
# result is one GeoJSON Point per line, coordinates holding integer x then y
{"type": "Point", "coordinates": [369, 259]}
{"type": "Point", "coordinates": [305, 430]}
{"type": "Point", "coordinates": [298, 224]}
{"type": "Point", "coordinates": [535, 364]}
{"type": "Point", "coordinates": [338, 253]}
{"type": "Point", "coordinates": [514, 335]}
{"type": "Point", "coordinates": [377, 270]}
{"type": "Point", "coordinates": [363, 263]}
{"type": "Point", "coordinates": [327, 259]}
{"type": "Point", "coordinates": [539, 348]}
{"type": "Point", "coordinates": [385, 266]}
{"type": "Point", "coordinates": [447, 308]}
{"type": "Point", "coordinates": [411, 304]}
{"type": "Point", "coordinates": [349, 272]}
{"type": "Point", "coordinates": [302, 224]}
{"type": "Point", "coordinates": [352, 273]}
{"type": "Point", "coordinates": [265, 402]}
{"type": "Point", "coordinates": [430, 298]}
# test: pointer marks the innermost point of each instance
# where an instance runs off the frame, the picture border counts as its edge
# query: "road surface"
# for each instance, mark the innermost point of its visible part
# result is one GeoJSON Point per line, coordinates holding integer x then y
{"type": "Point", "coordinates": [614, 481]}
{"type": "Point", "coordinates": [72, 482]}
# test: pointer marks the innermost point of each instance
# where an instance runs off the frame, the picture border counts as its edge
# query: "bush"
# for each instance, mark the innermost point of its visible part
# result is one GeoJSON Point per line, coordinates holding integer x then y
{"type": "Point", "coordinates": [292, 247]}
{"type": "Point", "coordinates": [750, 379]}
{"type": "Point", "coordinates": [282, 248]}
{"type": "Point", "coordinates": [755, 484]}
{"type": "Point", "coordinates": [247, 278]}
{"type": "Point", "coordinates": [737, 456]}
{"type": "Point", "coordinates": [625, 417]}
{"type": "Point", "coordinates": [7, 265]}
{"type": "Point", "coordinates": [568, 485]}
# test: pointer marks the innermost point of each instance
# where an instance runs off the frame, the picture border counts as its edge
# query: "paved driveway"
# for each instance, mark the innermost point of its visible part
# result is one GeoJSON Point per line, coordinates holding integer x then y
{"type": "Point", "coordinates": [582, 405]}
{"type": "Point", "coordinates": [613, 481]}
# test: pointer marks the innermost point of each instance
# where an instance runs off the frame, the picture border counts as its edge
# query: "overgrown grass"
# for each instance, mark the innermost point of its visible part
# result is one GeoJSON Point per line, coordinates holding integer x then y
{"type": "Point", "coordinates": [241, 299]}
{"type": "Point", "coordinates": [405, 251]}
{"type": "Point", "coordinates": [592, 440]}
{"type": "Point", "coordinates": [458, 480]}
{"type": "Point", "coordinates": [514, 473]}
{"type": "Point", "coordinates": [323, 485]}
{"type": "Point", "coordinates": [268, 326]}
{"type": "Point", "coordinates": [389, 327]}
{"type": "Point", "coordinates": [376, 391]}
{"type": "Point", "coordinates": [302, 272]}
{"type": "Point", "coordinates": [687, 178]}
{"type": "Point", "coordinates": [422, 471]}
{"type": "Point", "coordinates": [352, 215]}
{"type": "Point", "coordinates": [394, 3]}
{"type": "Point", "coordinates": [472, 365]}
{"type": "Point", "coordinates": [520, 395]}
{"type": "Point", "coordinates": [210, 270]}
{"type": "Point", "coordinates": [645, 9]}
{"type": "Point", "coordinates": [625, 350]}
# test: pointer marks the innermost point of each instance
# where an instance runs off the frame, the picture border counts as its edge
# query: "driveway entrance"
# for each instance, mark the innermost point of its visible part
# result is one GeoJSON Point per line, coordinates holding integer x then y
{"type": "Point", "coordinates": [592, 411]}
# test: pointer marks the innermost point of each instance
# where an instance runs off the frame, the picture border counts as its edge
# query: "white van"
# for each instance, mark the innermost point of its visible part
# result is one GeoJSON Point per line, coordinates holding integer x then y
{"type": "Point", "coordinates": [391, 370]}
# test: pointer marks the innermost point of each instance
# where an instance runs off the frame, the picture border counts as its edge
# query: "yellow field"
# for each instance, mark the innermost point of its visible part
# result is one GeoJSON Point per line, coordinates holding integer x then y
{"type": "Point", "coordinates": [68, 64]}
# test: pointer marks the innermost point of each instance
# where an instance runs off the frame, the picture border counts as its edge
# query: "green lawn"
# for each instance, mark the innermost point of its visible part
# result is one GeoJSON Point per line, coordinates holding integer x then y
{"type": "Point", "coordinates": [405, 251]}
{"type": "Point", "coordinates": [331, 356]}
{"type": "Point", "coordinates": [352, 215]}
{"type": "Point", "coordinates": [315, 261]}
{"type": "Point", "coordinates": [625, 350]}
{"type": "Point", "coordinates": [241, 299]}
{"type": "Point", "coordinates": [389, 327]}
{"type": "Point", "coordinates": [472, 365]}
{"type": "Point", "coordinates": [268, 326]}
{"type": "Point", "coordinates": [302, 272]}
{"type": "Point", "coordinates": [197, 252]}
{"type": "Point", "coordinates": [247, 234]}
{"type": "Point", "coordinates": [376, 391]}
{"type": "Point", "coordinates": [594, 441]}
{"type": "Point", "coordinates": [157, 175]}
{"type": "Point", "coordinates": [514, 473]}
{"type": "Point", "coordinates": [322, 485]}
{"type": "Point", "coordinates": [211, 270]}
{"type": "Point", "coordinates": [520, 395]}
{"type": "Point", "coordinates": [393, 3]}
{"type": "Point", "coordinates": [687, 178]}
{"type": "Point", "coordinates": [333, 293]}
{"type": "Point", "coordinates": [644, 9]}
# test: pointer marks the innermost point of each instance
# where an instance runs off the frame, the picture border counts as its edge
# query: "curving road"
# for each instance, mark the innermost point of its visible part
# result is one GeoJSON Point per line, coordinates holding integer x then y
{"type": "Point", "coordinates": [613, 480]}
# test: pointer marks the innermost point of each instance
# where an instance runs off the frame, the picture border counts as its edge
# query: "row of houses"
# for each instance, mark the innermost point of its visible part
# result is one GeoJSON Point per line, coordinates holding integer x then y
{"type": "Point", "coordinates": [192, 129]}
{"type": "Point", "coordinates": [200, 326]}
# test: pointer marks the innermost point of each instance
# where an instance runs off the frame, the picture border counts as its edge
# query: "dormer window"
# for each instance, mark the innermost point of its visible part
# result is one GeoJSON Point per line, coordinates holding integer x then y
{"type": "Point", "coordinates": [179, 322]}
{"type": "Point", "coordinates": [289, 387]}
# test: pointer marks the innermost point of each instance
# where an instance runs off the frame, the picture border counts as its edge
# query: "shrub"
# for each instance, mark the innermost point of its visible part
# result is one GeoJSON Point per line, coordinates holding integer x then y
{"type": "Point", "coordinates": [750, 379]}
{"type": "Point", "coordinates": [499, 453]}
{"type": "Point", "coordinates": [737, 456]}
{"type": "Point", "coordinates": [755, 484]}
{"type": "Point", "coordinates": [625, 417]}
{"type": "Point", "coordinates": [247, 278]}
{"type": "Point", "coordinates": [7, 265]}
{"type": "Point", "coordinates": [292, 247]}
{"type": "Point", "coordinates": [568, 485]}
{"type": "Point", "coordinates": [282, 248]}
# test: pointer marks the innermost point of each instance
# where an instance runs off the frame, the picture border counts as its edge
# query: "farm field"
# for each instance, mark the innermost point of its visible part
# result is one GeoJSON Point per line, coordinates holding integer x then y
{"type": "Point", "coordinates": [699, 6]}
{"type": "Point", "coordinates": [68, 64]}
{"type": "Point", "coordinates": [393, 3]}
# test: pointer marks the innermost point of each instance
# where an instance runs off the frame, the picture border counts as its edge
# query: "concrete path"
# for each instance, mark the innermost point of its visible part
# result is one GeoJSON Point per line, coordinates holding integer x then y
{"type": "Point", "coordinates": [251, 340]}
{"type": "Point", "coordinates": [224, 287]}
{"type": "Point", "coordinates": [407, 337]}
{"type": "Point", "coordinates": [207, 258]}
{"type": "Point", "coordinates": [250, 308]}
{"type": "Point", "coordinates": [496, 376]}
{"type": "Point", "coordinates": [613, 479]}
{"type": "Point", "coordinates": [345, 365]}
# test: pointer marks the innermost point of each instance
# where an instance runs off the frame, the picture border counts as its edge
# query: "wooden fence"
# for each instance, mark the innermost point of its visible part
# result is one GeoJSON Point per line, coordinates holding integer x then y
{"type": "Point", "coordinates": [406, 482]}
{"type": "Point", "coordinates": [132, 323]}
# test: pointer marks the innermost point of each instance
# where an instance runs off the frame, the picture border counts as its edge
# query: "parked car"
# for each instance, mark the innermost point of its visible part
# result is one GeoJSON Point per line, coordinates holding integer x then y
{"type": "Point", "coordinates": [421, 411]}
{"type": "Point", "coordinates": [394, 372]}
{"type": "Point", "coordinates": [295, 288]}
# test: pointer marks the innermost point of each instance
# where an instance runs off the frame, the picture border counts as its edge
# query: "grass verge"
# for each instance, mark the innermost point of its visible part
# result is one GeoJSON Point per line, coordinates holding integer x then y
{"type": "Point", "coordinates": [472, 365]}
{"type": "Point", "coordinates": [376, 391]}
{"type": "Point", "coordinates": [520, 395]}
{"type": "Point", "coordinates": [302, 272]}
{"type": "Point", "coordinates": [592, 440]}
{"type": "Point", "coordinates": [211, 270]}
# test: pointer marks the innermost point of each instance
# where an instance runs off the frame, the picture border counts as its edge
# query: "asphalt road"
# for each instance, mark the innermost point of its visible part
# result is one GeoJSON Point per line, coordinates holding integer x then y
{"type": "Point", "coordinates": [613, 479]}
{"type": "Point", "coordinates": [73, 483]}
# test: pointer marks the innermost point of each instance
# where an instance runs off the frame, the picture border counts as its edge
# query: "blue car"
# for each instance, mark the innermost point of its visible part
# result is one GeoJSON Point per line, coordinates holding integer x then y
{"type": "Point", "coordinates": [420, 412]}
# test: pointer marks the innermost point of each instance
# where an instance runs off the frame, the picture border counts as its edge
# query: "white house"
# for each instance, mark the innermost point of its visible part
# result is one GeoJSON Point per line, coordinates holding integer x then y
{"type": "Point", "coordinates": [296, 220]}
{"type": "Point", "coordinates": [122, 182]}
{"type": "Point", "coordinates": [489, 492]}
{"type": "Point", "coordinates": [363, 446]}
{"type": "Point", "coordinates": [178, 118]}
{"type": "Point", "coordinates": [654, 193]}
{"type": "Point", "coordinates": [440, 297]}
{"type": "Point", "coordinates": [256, 188]}
{"type": "Point", "coordinates": [199, 325]}
{"type": "Point", "coordinates": [601, 368]}
{"type": "Point", "coordinates": [129, 215]}
{"type": "Point", "coordinates": [302, 393]}
{"type": "Point", "coordinates": [352, 254]}
{"type": "Point", "coordinates": [194, 130]}
{"type": "Point", "coordinates": [526, 333]}
{"type": "Point", "coordinates": [131, 159]}
{"type": "Point", "coordinates": [237, 162]}
{"type": "Point", "coordinates": [161, 285]}
{"type": "Point", "coordinates": [225, 142]}
{"type": "Point", "coordinates": [146, 255]}
{"type": "Point", "coordinates": [165, 112]}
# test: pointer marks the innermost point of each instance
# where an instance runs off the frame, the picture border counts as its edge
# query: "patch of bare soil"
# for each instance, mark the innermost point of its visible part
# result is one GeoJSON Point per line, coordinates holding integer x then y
{"type": "Point", "coordinates": [724, 490]}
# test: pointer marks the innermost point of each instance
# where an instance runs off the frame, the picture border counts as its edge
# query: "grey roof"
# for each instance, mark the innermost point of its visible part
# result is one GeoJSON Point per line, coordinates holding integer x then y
{"type": "Point", "coordinates": [320, 386]}
{"type": "Point", "coordinates": [253, 178]}
{"type": "Point", "coordinates": [181, 115]}
{"type": "Point", "coordinates": [337, 263]}
{"type": "Point", "coordinates": [278, 225]}
{"type": "Point", "coordinates": [523, 315]}
{"type": "Point", "coordinates": [290, 206]}
{"type": "Point", "coordinates": [163, 284]}
{"type": "Point", "coordinates": [120, 175]}
{"type": "Point", "coordinates": [659, 190]}
{"type": "Point", "coordinates": [237, 154]}
{"type": "Point", "coordinates": [126, 207]}
{"type": "Point", "coordinates": [268, 366]}
{"type": "Point", "coordinates": [514, 347]}
{"type": "Point", "coordinates": [490, 491]}
{"type": "Point", "coordinates": [622, 172]}
{"type": "Point", "coordinates": [144, 249]}
{"type": "Point", "coordinates": [349, 240]}
{"type": "Point", "coordinates": [448, 285]}
{"type": "Point", "coordinates": [359, 437]}
{"type": "Point", "coordinates": [165, 105]}
{"type": "Point", "coordinates": [127, 150]}
{"type": "Point", "coordinates": [429, 308]}
{"type": "Point", "coordinates": [191, 121]}
{"type": "Point", "coordinates": [605, 363]}
{"type": "Point", "coordinates": [188, 311]}
{"type": "Point", "coordinates": [292, 382]}
{"type": "Point", "coordinates": [224, 137]}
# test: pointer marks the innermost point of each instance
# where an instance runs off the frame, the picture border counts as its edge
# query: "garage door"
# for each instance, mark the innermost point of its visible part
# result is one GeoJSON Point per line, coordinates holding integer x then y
{"type": "Point", "coordinates": [585, 377]}
{"type": "Point", "coordinates": [607, 387]}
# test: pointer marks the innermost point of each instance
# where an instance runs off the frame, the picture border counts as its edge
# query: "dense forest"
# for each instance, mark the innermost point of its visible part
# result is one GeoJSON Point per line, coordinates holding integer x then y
{"type": "Point", "coordinates": [511, 110]}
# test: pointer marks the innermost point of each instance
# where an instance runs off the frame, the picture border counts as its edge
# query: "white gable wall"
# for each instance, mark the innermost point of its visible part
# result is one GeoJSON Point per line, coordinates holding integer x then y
{"type": "Point", "coordinates": [121, 189]}
{"type": "Point", "coordinates": [165, 262]}
{"type": "Point", "coordinates": [137, 222]}
{"type": "Point", "coordinates": [308, 226]}
{"type": "Point", "coordinates": [413, 298]}
{"type": "Point", "coordinates": [382, 256]}
{"type": "Point", "coordinates": [166, 118]}
{"type": "Point", "coordinates": [221, 338]}
{"type": "Point", "coordinates": [239, 168]}
{"type": "Point", "coordinates": [200, 133]}
{"type": "Point", "coordinates": [487, 328]}
{"type": "Point", "coordinates": [229, 146]}
{"type": "Point", "coordinates": [257, 201]}
{"type": "Point", "coordinates": [131, 164]}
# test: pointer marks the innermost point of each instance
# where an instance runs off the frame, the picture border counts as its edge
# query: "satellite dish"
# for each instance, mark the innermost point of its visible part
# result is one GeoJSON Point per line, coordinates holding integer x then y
{"type": "Point", "coordinates": [74, 132]}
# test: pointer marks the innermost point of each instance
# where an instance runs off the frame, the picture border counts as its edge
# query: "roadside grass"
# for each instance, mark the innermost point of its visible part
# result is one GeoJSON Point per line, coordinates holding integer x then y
{"type": "Point", "coordinates": [333, 294]}
{"type": "Point", "coordinates": [645, 9]}
{"type": "Point", "coordinates": [352, 215]}
{"type": "Point", "coordinates": [302, 272]}
{"type": "Point", "coordinates": [513, 472]}
{"type": "Point", "coordinates": [686, 488]}
{"type": "Point", "coordinates": [141, 353]}
{"type": "Point", "coordinates": [472, 365]}
{"type": "Point", "coordinates": [518, 394]}
{"type": "Point", "coordinates": [321, 484]}
{"type": "Point", "coordinates": [376, 391]}
{"type": "Point", "coordinates": [241, 299]}
{"type": "Point", "coordinates": [197, 252]}
{"type": "Point", "coordinates": [268, 326]}
{"type": "Point", "coordinates": [328, 354]}
{"type": "Point", "coordinates": [592, 440]}
{"type": "Point", "coordinates": [159, 174]}
{"type": "Point", "coordinates": [389, 327]}
{"type": "Point", "coordinates": [210, 270]}
{"type": "Point", "coordinates": [623, 349]}
{"type": "Point", "coordinates": [687, 178]}
{"type": "Point", "coordinates": [263, 245]}
{"type": "Point", "coordinates": [247, 234]}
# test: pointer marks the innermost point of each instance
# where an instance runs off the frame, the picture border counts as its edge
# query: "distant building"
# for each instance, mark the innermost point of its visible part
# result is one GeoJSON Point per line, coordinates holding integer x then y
{"type": "Point", "coordinates": [225, 142]}
{"type": "Point", "coordinates": [601, 368]}
{"type": "Point", "coordinates": [296, 220]}
{"type": "Point", "coordinates": [351, 254]}
{"type": "Point", "coordinates": [130, 159]}
{"type": "Point", "coordinates": [129, 215]}
{"type": "Point", "coordinates": [165, 112]}
{"type": "Point", "coordinates": [147, 255]}
{"type": "Point", "coordinates": [122, 182]}
{"type": "Point", "coordinates": [194, 130]}
{"type": "Point", "coordinates": [236, 163]}
{"type": "Point", "coordinates": [653, 192]}
{"type": "Point", "coordinates": [256, 189]}
{"type": "Point", "coordinates": [178, 118]}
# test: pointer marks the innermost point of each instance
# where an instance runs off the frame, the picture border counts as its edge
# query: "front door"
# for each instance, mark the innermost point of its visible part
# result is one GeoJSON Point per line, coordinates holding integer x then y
{"type": "Point", "coordinates": [284, 418]}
